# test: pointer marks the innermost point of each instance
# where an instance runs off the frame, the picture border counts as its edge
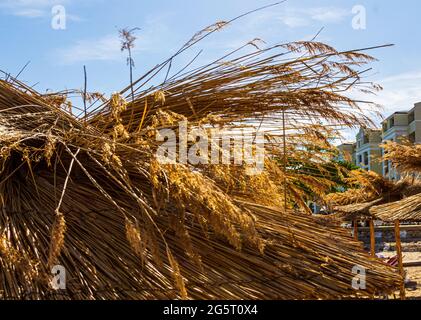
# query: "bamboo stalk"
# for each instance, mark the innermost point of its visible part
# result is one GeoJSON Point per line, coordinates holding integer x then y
{"type": "Point", "coordinates": [372, 238]}
{"type": "Point", "coordinates": [399, 253]}
{"type": "Point", "coordinates": [356, 229]}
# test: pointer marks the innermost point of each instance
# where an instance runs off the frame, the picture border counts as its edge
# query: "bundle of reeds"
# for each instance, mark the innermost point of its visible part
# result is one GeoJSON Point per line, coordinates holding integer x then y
{"type": "Point", "coordinates": [368, 190]}
{"type": "Point", "coordinates": [363, 186]}
{"type": "Point", "coordinates": [91, 195]}
{"type": "Point", "coordinates": [295, 92]}
{"type": "Point", "coordinates": [356, 211]}
{"type": "Point", "coordinates": [406, 158]}
{"type": "Point", "coordinates": [407, 209]}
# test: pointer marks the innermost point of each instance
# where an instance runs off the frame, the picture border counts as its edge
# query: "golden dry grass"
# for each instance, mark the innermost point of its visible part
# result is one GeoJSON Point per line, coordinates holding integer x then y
{"type": "Point", "coordinates": [369, 191]}
{"type": "Point", "coordinates": [90, 194]}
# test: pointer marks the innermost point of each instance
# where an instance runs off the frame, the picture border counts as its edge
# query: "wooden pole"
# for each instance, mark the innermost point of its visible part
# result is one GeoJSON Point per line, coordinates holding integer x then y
{"type": "Point", "coordinates": [372, 238]}
{"type": "Point", "coordinates": [399, 253]}
{"type": "Point", "coordinates": [356, 229]}
{"type": "Point", "coordinates": [284, 138]}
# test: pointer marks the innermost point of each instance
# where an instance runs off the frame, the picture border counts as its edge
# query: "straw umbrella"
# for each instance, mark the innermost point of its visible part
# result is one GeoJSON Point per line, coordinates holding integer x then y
{"type": "Point", "coordinates": [406, 158]}
{"type": "Point", "coordinates": [356, 212]}
{"type": "Point", "coordinates": [406, 210]}
{"type": "Point", "coordinates": [369, 190]}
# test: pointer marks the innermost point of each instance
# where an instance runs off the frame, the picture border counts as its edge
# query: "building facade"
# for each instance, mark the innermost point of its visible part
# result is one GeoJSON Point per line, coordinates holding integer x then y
{"type": "Point", "coordinates": [347, 152]}
{"type": "Point", "coordinates": [399, 127]}
{"type": "Point", "coordinates": [367, 153]}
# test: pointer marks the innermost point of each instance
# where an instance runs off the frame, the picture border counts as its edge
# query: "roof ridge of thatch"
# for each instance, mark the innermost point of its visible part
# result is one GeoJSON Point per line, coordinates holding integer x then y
{"type": "Point", "coordinates": [407, 209]}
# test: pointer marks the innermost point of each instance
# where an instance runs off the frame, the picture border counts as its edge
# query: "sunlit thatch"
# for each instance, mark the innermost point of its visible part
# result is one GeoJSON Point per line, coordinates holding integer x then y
{"type": "Point", "coordinates": [89, 193]}
{"type": "Point", "coordinates": [407, 159]}
{"type": "Point", "coordinates": [407, 209]}
{"type": "Point", "coordinates": [369, 190]}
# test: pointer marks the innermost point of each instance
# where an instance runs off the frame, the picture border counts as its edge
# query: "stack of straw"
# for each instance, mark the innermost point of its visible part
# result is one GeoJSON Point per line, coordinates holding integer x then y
{"type": "Point", "coordinates": [89, 193]}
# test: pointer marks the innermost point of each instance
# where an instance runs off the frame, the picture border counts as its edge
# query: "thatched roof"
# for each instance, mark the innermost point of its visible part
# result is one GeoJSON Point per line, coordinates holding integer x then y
{"type": "Point", "coordinates": [407, 159]}
{"type": "Point", "coordinates": [362, 187]}
{"type": "Point", "coordinates": [407, 209]}
{"type": "Point", "coordinates": [353, 211]}
{"type": "Point", "coordinates": [89, 194]}
{"type": "Point", "coordinates": [393, 192]}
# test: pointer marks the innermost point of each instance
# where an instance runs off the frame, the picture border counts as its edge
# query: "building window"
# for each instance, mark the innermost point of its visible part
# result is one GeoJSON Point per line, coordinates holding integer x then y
{"type": "Point", "coordinates": [391, 122]}
{"type": "Point", "coordinates": [366, 158]}
{"type": "Point", "coordinates": [365, 139]}
{"type": "Point", "coordinates": [360, 159]}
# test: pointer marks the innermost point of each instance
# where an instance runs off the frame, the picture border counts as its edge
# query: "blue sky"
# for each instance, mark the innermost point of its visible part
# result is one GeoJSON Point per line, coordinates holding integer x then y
{"type": "Point", "coordinates": [91, 38]}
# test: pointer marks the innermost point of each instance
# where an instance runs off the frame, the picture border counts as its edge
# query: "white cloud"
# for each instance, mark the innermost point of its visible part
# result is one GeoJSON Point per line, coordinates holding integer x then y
{"type": "Point", "coordinates": [302, 17]}
{"type": "Point", "coordinates": [279, 23]}
{"type": "Point", "coordinates": [30, 13]}
{"type": "Point", "coordinates": [401, 91]}
{"type": "Point", "coordinates": [105, 48]}
{"type": "Point", "coordinates": [294, 21]}
{"type": "Point", "coordinates": [33, 8]}
{"type": "Point", "coordinates": [329, 15]}
{"type": "Point", "coordinates": [31, 3]}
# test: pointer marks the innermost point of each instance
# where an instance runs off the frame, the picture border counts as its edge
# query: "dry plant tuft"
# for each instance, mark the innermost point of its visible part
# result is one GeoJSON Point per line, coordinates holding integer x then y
{"type": "Point", "coordinates": [406, 158]}
{"type": "Point", "coordinates": [193, 226]}
{"type": "Point", "coordinates": [58, 230]}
